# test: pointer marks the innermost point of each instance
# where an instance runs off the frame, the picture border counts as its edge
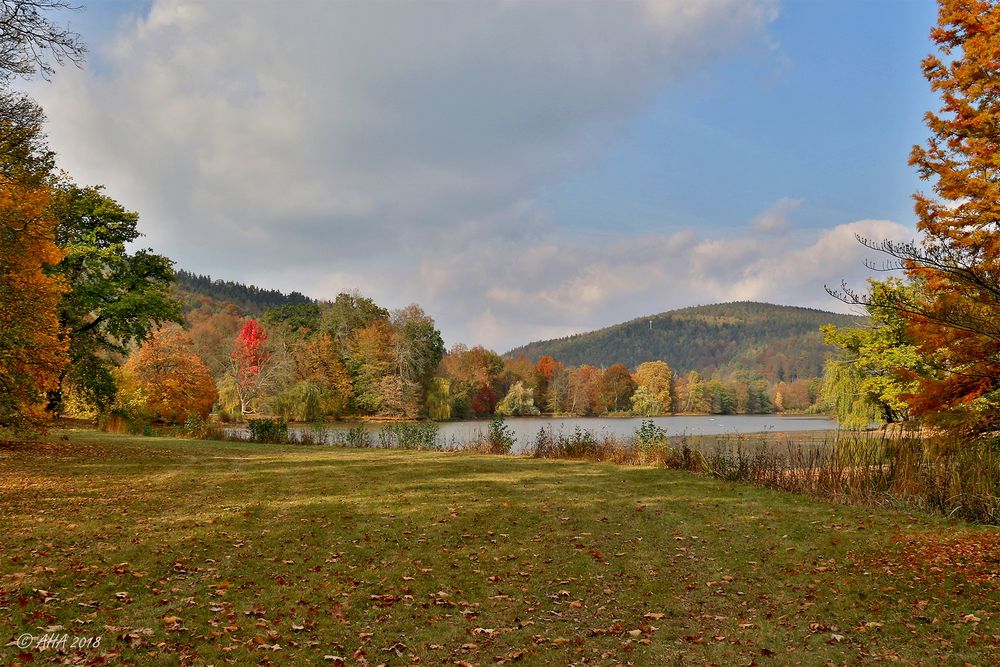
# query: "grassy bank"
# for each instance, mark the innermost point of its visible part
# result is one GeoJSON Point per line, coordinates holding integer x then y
{"type": "Point", "coordinates": [207, 552]}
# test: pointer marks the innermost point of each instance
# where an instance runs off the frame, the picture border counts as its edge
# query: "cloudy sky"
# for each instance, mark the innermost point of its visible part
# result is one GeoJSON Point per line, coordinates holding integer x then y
{"type": "Point", "coordinates": [522, 170]}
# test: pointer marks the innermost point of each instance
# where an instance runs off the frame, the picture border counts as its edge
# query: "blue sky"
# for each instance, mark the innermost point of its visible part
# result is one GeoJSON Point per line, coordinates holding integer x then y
{"type": "Point", "coordinates": [521, 170]}
{"type": "Point", "coordinates": [826, 113]}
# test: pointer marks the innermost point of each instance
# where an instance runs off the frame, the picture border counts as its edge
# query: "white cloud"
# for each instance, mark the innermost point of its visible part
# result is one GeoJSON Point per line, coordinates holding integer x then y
{"type": "Point", "coordinates": [399, 148]}
{"type": "Point", "coordinates": [776, 218]}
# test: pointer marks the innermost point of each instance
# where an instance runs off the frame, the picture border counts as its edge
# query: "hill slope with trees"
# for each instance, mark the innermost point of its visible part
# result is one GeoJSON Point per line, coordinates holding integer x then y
{"type": "Point", "coordinates": [778, 343]}
{"type": "Point", "coordinates": [250, 299]}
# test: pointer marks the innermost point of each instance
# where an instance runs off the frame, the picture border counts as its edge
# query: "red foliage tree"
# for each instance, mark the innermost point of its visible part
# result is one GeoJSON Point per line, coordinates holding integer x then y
{"type": "Point", "coordinates": [250, 357]}
{"type": "Point", "coordinates": [484, 401]}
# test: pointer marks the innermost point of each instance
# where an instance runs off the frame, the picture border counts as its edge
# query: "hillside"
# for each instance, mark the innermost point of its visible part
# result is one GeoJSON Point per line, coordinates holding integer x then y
{"type": "Point", "coordinates": [249, 299]}
{"type": "Point", "coordinates": [776, 342]}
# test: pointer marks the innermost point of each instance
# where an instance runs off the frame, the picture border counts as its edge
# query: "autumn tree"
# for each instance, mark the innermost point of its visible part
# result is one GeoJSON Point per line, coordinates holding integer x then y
{"type": "Point", "coordinates": [696, 397]}
{"type": "Point", "coordinates": [557, 390]}
{"type": "Point", "coordinates": [32, 349]}
{"type": "Point", "coordinates": [419, 350]}
{"type": "Point", "coordinates": [32, 346]}
{"type": "Point", "coordinates": [316, 363]}
{"type": "Point", "coordinates": [657, 378]}
{"type": "Point", "coordinates": [519, 369]}
{"type": "Point", "coordinates": [546, 370]}
{"type": "Point", "coordinates": [249, 361]}
{"type": "Point", "coordinates": [474, 375]}
{"type": "Point", "coordinates": [372, 363]}
{"type": "Point", "coordinates": [213, 326]}
{"type": "Point", "coordinates": [518, 402]}
{"type": "Point", "coordinates": [955, 319]}
{"type": "Point", "coordinates": [583, 392]}
{"type": "Point", "coordinates": [173, 379]}
{"type": "Point", "coordinates": [616, 387]}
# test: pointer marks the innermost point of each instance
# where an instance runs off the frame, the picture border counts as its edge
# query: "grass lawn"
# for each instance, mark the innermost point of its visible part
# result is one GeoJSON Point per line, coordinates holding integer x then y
{"type": "Point", "coordinates": [188, 552]}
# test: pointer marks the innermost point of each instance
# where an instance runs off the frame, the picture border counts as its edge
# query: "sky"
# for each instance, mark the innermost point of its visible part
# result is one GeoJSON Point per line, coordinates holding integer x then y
{"type": "Point", "coordinates": [522, 170]}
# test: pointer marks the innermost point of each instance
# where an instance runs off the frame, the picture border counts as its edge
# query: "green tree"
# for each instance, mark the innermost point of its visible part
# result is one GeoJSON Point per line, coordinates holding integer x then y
{"type": "Point", "coordinates": [299, 318]}
{"type": "Point", "coordinates": [645, 403]}
{"type": "Point", "coordinates": [349, 312]}
{"type": "Point", "coordinates": [878, 370]}
{"type": "Point", "coordinates": [24, 153]}
{"type": "Point", "coordinates": [115, 298]}
{"type": "Point", "coordinates": [518, 402]}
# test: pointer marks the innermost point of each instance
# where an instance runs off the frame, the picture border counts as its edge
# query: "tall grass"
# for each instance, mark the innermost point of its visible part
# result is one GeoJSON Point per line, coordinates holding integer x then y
{"type": "Point", "coordinates": [934, 473]}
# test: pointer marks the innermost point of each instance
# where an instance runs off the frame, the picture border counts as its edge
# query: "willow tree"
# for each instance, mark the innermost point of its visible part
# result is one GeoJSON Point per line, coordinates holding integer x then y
{"type": "Point", "coordinates": [873, 380]}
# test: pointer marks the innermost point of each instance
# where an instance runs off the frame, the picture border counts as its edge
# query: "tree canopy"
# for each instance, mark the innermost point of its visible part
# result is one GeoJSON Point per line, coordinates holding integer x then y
{"type": "Point", "coordinates": [115, 298]}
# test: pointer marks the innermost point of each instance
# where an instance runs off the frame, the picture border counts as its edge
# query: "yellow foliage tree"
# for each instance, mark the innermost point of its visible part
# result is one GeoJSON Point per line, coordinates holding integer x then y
{"type": "Point", "coordinates": [657, 377]}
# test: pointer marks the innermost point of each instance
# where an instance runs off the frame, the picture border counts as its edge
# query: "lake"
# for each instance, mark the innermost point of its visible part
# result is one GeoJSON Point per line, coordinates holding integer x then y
{"type": "Point", "coordinates": [524, 429]}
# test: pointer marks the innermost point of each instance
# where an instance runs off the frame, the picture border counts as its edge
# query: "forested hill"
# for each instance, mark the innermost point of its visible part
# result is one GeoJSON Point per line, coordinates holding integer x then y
{"type": "Point", "coordinates": [249, 299]}
{"type": "Point", "coordinates": [775, 342]}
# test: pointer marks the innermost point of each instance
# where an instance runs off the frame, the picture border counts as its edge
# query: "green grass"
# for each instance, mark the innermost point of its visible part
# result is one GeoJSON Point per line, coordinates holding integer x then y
{"type": "Point", "coordinates": [188, 552]}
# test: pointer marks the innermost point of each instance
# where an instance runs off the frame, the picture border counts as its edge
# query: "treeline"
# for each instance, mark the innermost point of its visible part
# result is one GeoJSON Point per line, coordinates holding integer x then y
{"type": "Point", "coordinates": [476, 382]}
{"type": "Point", "coordinates": [776, 343]}
{"type": "Point", "coordinates": [250, 299]}
{"type": "Point", "coordinates": [319, 360]}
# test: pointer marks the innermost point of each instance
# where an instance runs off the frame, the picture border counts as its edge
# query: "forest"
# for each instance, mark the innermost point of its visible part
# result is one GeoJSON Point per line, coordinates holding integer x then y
{"type": "Point", "coordinates": [778, 343]}
{"type": "Point", "coordinates": [351, 358]}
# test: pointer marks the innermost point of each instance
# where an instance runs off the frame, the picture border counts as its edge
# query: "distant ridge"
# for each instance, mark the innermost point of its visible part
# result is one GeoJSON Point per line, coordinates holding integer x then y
{"type": "Point", "coordinates": [767, 340]}
{"type": "Point", "coordinates": [250, 299]}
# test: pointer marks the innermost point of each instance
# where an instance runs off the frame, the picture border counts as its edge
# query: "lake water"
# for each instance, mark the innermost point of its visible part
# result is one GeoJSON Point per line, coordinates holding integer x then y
{"type": "Point", "coordinates": [524, 429]}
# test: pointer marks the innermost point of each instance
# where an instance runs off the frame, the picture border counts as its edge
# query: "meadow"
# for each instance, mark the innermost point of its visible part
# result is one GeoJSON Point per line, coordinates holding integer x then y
{"type": "Point", "coordinates": [168, 551]}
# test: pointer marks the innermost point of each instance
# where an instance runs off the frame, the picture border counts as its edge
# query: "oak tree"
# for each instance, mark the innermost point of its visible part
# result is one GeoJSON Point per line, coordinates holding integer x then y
{"type": "Point", "coordinates": [116, 298]}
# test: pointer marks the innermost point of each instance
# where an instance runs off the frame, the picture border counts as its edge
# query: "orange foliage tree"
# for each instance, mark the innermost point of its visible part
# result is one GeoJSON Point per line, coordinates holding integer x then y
{"type": "Point", "coordinates": [173, 380]}
{"type": "Point", "coordinates": [32, 350]}
{"type": "Point", "coordinates": [583, 395]}
{"type": "Point", "coordinates": [954, 315]}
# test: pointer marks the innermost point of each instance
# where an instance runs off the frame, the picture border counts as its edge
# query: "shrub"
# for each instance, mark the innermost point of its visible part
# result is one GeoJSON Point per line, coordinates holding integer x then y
{"type": "Point", "coordinates": [357, 436]}
{"type": "Point", "coordinates": [649, 434]}
{"type": "Point", "coordinates": [268, 430]}
{"type": "Point", "coordinates": [196, 426]}
{"type": "Point", "coordinates": [409, 436]}
{"type": "Point", "coordinates": [500, 436]}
